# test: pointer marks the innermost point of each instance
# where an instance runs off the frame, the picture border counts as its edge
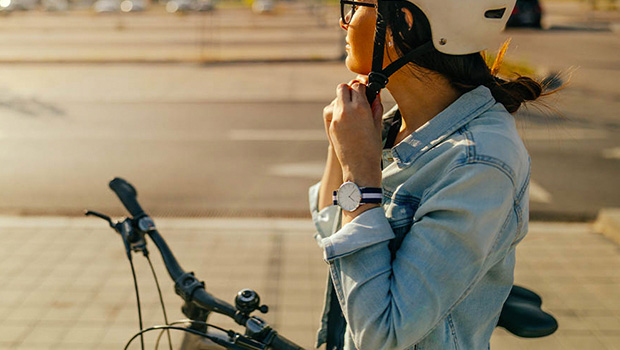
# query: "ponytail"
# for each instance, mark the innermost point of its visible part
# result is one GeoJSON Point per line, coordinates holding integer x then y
{"type": "Point", "coordinates": [513, 93]}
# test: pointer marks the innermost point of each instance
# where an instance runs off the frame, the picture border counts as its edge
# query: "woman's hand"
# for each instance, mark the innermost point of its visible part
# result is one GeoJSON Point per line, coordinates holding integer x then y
{"type": "Point", "coordinates": [328, 114]}
{"type": "Point", "coordinates": [328, 111]}
{"type": "Point", "coordinates": [354, 130]}
{"type": "Point", "coordinates": [332, 175]}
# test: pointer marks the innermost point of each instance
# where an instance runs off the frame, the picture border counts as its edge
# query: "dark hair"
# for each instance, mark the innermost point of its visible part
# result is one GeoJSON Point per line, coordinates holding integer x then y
{"type": "Point", "coordinates": [465, 72]}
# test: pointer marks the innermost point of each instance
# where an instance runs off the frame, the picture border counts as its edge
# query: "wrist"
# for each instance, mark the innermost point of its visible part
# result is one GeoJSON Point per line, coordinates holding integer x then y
{"type": "Point", "coordinates": [365, 179]}
{"type": "Point", "coordinates": [348, 216]}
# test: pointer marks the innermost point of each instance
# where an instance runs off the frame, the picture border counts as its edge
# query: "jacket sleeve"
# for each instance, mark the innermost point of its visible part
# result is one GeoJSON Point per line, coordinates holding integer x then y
{"type": "Point", "coordinates": [395, 304]}
{"type": "Point", "coordinates": [326, 220]}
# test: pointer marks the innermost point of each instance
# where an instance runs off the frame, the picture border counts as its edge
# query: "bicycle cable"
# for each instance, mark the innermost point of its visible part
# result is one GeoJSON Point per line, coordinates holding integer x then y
{"type": "Point", "coordinates": [161, 300]}
{"type": "Point", "coordinates": [135, 283]}
{"type": "Point", "coordinates": [181, 322]}
{"type": "Point", "coordinates": [168, 327]}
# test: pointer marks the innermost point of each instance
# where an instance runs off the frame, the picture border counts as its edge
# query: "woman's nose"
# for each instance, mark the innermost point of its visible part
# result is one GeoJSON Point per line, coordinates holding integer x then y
{"type": "Point", "coordinates": [344, 25]}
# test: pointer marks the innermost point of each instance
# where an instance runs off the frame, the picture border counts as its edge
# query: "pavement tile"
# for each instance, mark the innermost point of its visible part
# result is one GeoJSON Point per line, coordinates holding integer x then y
{"type": "Point", "coordinates": [11, 334]}
{"type": "Point", "coordinates": [10, 297]}
{"type": "Point", "coordinates": [603, 323]}
{"type": "Point", "coordinates": [579, 342]}
{"type": "Point", "coordinates": [22, 314]}
{"type": "Point", "coordinates": [504, 341]}
{"type": "Point", "coordinates": [43, 336]}
{"type": "Point", "coordinates": [611, 342]}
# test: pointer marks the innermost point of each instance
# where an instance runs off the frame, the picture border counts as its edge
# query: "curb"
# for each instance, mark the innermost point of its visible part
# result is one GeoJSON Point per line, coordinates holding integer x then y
{"type": "Point", "coordinates": [608, 224]}
{"type": "Point", "coordinates": [561, 216]}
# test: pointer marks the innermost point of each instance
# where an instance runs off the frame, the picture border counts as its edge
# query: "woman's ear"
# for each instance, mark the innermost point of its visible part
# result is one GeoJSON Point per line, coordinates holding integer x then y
{"type": "Point", "coordinates": [408, 17]}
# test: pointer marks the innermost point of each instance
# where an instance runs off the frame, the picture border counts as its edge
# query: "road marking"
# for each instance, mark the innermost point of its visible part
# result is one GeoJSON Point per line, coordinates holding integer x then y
{"type": "Point", "coordinates": [310, 170]}
{"type": "Point", "coordinates": [539, 194]}
{"type": "Point", "coordinates": [611, 153]}
{"type": "Point", "coordinates": [562, 134]}
{"type": "Point", "coordinates": [277, 135]}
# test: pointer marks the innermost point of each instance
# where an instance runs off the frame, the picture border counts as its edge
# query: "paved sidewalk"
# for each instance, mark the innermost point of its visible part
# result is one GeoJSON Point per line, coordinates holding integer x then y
{"type": "Point", "coordinates": [67, 285]}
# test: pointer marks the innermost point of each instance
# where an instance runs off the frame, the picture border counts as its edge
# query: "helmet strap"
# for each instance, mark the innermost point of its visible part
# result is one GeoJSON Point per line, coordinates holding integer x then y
{"type": "Point", "coordinates": [410, 56]}
{"type": "Point", "coordinates": [379, 77]}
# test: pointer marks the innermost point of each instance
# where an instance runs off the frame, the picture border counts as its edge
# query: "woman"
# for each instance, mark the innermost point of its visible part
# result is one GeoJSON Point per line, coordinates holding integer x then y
{"type": "Point", "coordinates": [419, 212]}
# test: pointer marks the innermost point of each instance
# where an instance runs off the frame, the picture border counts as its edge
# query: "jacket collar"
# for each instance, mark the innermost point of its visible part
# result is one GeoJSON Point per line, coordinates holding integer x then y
{"type": "Point", "coordinates": [467, 107]}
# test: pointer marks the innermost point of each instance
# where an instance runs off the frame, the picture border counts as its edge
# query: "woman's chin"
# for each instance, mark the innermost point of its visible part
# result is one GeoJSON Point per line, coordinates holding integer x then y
{"type": "Point", "coordinates": [355, 67]}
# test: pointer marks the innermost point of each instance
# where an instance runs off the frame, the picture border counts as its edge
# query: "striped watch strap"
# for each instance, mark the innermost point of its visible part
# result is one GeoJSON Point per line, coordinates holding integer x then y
{"type": "Point", "coordinates": [369, 195]}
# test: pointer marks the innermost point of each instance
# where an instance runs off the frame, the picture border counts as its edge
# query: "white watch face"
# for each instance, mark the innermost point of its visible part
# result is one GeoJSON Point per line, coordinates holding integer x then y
{"type": "Point", "coordinates": [349, 196]}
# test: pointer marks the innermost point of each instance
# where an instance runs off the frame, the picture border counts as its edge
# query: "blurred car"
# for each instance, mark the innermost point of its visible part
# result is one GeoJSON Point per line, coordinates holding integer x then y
{"type": "Point", "coordinates": [263, 6]}
{"type": "Point", "coordinates": [105, 6]}
{"type": "Point", "coordinates": [526, 13]}
{"type": "Point", "coordinates": [5, 6]}
{"type": "Point", "coordinates": [204, 5]}
{"type": "Point", "coordinates": [174, 6]}
{"type": "Point", "coordinates": [133, 5]}
{"type": "Point", "coordinates": [17, 5]}
{"type": "Point", "coordinates": [55, 5]}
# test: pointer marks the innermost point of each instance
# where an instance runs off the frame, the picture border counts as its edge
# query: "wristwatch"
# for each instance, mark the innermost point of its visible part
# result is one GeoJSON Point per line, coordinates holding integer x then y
{"type": "Point", "coordinates": [350, 196]}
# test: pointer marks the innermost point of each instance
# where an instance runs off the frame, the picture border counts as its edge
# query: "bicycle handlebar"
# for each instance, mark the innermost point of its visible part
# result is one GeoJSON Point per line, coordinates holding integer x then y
{"type": "Point", "coordinates": [128, 196]}
{"type": "Point", "coordinates": [186, 285]}
{"type": "Point", "coordinates": [200, 296]}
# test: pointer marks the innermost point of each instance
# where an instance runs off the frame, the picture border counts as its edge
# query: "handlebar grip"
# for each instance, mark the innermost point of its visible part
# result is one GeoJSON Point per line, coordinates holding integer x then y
{"type": "Point", "coordinates": [281, 343]}
{"type": "Point", "coordinates": [128, 196]}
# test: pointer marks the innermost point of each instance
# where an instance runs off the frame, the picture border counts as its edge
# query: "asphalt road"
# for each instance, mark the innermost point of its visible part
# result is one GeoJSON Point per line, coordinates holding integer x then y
{"type": "Point", "coordinates": [247, 139]}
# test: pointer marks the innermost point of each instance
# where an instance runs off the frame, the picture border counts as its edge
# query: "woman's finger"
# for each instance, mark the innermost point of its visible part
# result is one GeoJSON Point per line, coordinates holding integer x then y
{"type": "Point", "coordinates": [377, 111]}
{"type": "Point", "coordinates": [328, 112]}
{"type": "Point", "coordinates": [361, 79]}
{"type": "Point", "coordinates": [358, 93]}
{"type": "Point", "coordinates": [343, 93]}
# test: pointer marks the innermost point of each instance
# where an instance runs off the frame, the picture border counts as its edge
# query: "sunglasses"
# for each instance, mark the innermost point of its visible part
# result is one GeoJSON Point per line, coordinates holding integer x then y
{"type": "Point", "coordinates": [347, 9]}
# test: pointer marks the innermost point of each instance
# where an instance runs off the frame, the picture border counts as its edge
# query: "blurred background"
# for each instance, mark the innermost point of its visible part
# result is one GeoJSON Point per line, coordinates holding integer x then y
{"type": "Point", "coordinates": [213, 109]}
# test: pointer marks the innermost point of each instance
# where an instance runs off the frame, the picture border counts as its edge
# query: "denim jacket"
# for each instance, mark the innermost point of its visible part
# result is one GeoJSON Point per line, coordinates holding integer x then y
{"type": "Point", "coordinates": [432, 267]}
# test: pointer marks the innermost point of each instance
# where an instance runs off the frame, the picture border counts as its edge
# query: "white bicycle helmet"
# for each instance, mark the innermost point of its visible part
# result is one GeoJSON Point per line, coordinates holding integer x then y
{"type": "Point", "coordinates": [461, 27]}
{"type": "Point", "coordinates": [458, 27]}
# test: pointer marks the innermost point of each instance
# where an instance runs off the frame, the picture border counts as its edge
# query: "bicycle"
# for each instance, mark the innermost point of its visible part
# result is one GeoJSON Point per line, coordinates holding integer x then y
{"type": "Point", "coordinates": [521, 314]}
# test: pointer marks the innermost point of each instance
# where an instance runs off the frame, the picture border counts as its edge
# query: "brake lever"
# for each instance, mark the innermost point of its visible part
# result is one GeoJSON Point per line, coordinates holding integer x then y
{"type": "Point", "coordinates": [133, 241]}
{"type": "Point", "coordinates": [101, 216]}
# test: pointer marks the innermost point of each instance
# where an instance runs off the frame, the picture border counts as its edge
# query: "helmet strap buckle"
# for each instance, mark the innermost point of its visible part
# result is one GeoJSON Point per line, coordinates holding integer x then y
{"type": "Point", "coordinates": [377, 81]}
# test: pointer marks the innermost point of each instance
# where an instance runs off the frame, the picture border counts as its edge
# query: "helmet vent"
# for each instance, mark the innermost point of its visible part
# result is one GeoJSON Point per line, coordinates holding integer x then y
{"type": "Point", "coordinates": [495, 14]}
